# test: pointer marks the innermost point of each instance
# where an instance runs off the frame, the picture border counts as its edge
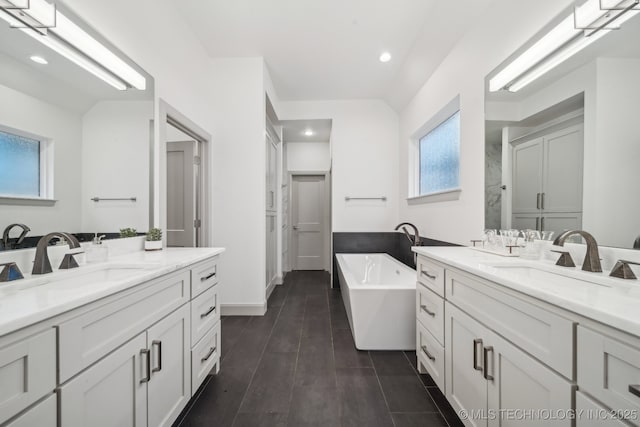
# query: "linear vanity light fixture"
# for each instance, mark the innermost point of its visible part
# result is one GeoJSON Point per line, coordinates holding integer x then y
{"type": "Point", "coordinates": [583, 26]}
{"type": "Point", "coordinates": [68, 39]}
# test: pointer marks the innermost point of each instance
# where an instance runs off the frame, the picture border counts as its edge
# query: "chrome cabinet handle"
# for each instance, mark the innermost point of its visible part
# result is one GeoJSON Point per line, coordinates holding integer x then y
{"type": "Point", "coordinates": [542, 224]}
{"type": "Point", "coordinates": [476, 365]}
{"type": "Point", "coordinates": [424, 349]}
{"type": "Point", "coordinates": [208, 312]}
{"type": "Point", "coordinates": [209, 354]}
{"type": "Point", "coordinates": [487, 376]}
{"type": "Point", "coordinates": [634, 389]}
{"type": "Point", "coordinates": [426, 273]}
{"type": "Point", "coordinates": [147, 353]}
{"type": "Point", "coordinates": [203, 279]}
{"type": "Point", "coordinates": [426, 310]}
{"type": "Point", "coordinates": [542, 201]}
{"type": "Point", "coordinates": [538, 224]}
{"type": "Point", "coordinates": [158, 343]}
{"type": "Point", "coordinates": [537, 200]}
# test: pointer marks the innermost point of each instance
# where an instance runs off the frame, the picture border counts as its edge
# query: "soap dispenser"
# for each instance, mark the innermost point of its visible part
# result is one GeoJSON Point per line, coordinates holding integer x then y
{"type": "Point", "coordinates": [97, 252]}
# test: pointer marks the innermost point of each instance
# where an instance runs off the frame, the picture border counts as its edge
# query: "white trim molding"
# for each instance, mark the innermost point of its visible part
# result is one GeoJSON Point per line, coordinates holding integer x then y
{"type": "Point", "coordinates": [243, 309]}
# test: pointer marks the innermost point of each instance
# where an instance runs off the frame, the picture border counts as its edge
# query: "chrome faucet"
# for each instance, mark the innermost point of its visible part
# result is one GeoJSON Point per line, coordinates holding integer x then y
{"type": "Point", "coordinates": [592, 258]}
{"type": "Point", "coordinates": [42, 265]}
{"type": "Point", "coordinates": [6, 243]}
{"type": "Point", "coordinates": [415, 240]}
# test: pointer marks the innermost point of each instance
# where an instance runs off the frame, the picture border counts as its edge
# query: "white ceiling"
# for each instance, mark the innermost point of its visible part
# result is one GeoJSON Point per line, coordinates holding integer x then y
{"type": "Point", "coordinates": [329, 49]}
{"type": "Point", "coordinates": [293, 130]}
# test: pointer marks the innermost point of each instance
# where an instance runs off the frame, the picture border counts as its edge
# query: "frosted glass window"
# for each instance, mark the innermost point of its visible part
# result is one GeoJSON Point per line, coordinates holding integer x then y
{"type": "Point", "coordinates": [19, 166]}
{"type": "Point", "coordinates": [440, 157]}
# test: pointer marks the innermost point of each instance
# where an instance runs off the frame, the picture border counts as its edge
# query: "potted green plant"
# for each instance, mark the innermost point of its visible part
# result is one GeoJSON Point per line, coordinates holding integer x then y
{"type": "Point", "coordinates": [128, 232]}
{"type": "Point", "coordinates": [153, 242]}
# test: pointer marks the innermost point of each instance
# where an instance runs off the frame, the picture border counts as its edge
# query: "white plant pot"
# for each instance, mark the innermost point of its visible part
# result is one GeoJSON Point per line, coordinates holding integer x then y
{"type": "Point", "coordinates": [155, 245]}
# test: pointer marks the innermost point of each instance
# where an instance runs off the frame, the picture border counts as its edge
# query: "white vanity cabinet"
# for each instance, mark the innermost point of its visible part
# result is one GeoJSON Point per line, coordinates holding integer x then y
{"type": "Point", "coordinates": [121, 360]}
{"type": "Point", "coordinates": [27, 370]}
{"type": "Point", "coordinates": [492, 379]}
{"type": "Point", "coordinates": [502, 352]}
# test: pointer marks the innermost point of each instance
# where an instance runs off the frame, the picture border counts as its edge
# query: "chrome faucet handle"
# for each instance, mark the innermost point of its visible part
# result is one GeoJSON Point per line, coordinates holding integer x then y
{"type": "Point", "coordinates": [69, 261]}
{"type": "Point", "coordinates": [622, 270]}
{"type": "Point", "coordinates": [565, 259]}
{"type": "Point", "coordinates": [10, 272]}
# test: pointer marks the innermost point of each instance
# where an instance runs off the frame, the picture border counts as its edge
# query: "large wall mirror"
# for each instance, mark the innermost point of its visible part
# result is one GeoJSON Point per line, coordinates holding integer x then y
{"type": "Point", "coordinates": [562, 149]}
{"type": "Point", "coordinates": [75, 129]}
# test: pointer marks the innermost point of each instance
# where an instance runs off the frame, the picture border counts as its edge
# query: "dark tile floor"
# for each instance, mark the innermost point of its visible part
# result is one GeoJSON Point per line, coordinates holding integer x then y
{"type": "Point", "coordinates": [297, 366]}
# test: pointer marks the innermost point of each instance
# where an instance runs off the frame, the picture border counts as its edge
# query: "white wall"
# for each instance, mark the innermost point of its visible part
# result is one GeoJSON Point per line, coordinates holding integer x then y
{"type": "Point", "coordinates": [238, 120]}
{"type": "Point", "coordinates": [614, 180]}
{"type": "Point", "coordinates": [483, 48]}
{"type": "Point", "coordinates": [29, 114]}
{"type": "Point", "coordinates": [110, 129]}
{"type": "Point", "coordinates": [364, 155]}
{"type": "Point", "coordinates": [308, 156]}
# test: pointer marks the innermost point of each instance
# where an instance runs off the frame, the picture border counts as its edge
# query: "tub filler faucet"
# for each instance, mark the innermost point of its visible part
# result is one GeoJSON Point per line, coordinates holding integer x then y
{"type": "Point", "coordinates": [415, 240]}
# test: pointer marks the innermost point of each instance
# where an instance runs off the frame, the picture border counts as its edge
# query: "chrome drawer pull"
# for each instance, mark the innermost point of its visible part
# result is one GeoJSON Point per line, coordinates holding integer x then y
{"type": "Point", "coordinates": [432, 358]}
{"type": "Point", "coordinates": [634, 389]}
{"type": "Point", "coordinates": [158, 343]}
{"type": "Point", "coordinates": [426, 310]}
{"type": "Point", "coordinates": [487, 376]}
{"type": "Point", "coordinates": [211, 310]}
{"type": "Point", "coordinates": [209, 354]}
{"type": "Point", "coordinates": [203, 279]}
{"type": "Point", "coordinates": [476, 365]}
{"type": "Point", "coordinates": [426, 273]}
{"type": "Point", "coordinates": [146, 352]}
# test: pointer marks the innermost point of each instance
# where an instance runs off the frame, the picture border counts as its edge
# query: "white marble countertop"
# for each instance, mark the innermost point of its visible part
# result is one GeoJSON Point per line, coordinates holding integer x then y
{"type": "Point", "coordinates": [37, 298]}
{"type": "Point", "coordinates": [611, 301]}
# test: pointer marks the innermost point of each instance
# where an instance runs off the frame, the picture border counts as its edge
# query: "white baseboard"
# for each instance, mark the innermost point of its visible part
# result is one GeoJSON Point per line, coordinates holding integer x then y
{"type": "Point", "coordinates": [279, 280]}
{"type": "Point", "coordinates": [270, 288]}
{"type": "Point", "coordinates": [243, 309]}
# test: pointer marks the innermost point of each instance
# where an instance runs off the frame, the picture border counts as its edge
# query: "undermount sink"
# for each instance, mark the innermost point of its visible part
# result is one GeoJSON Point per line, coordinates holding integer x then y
{"type": "Point", "coordinates": [552, 278]}
{"type": "Point", "coordinates": [84, 275]}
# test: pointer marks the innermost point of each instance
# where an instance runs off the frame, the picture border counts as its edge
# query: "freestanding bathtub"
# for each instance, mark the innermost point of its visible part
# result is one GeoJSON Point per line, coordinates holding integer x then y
{"type": "Point", "coordinates": [379, 294]}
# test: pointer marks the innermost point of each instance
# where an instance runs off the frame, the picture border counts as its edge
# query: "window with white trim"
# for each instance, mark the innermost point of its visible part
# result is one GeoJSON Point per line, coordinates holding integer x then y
{"type": "Point", "coordinates": [435, 155]}
{"type": "Point", "coordinates": [440, 157]}
{"type": "Point", "coordinates": [23, 166]}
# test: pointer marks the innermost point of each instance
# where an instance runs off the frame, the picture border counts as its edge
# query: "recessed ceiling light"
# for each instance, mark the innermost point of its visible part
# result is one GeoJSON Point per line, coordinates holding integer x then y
{"type": "Point", "coordinates": [385, 57]}
{"type": "Point", "coordinates": [308, 132]}
{"type": "Point", "coordinates": [39, 59]}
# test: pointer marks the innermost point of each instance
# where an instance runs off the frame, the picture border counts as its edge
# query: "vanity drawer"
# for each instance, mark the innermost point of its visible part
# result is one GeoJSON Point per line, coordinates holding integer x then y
{"type": "Point", "coordinates": [590, 414]}
{"type": "Point", "coordinates": [87, 338]}
{"type": "Point", "coordinates": [545, 335]}
{"type": "Point", "coordinates": [430, 355]}
{"type": "Point", "coordinates": [607, 368]}
{"type": "Point", "coordinates": [27, 372]}
{"type": "Point", "coordinates": [44, 414]}
{"type": "Point", "coordinates": [205, 312]}
{"type": "Point", "coordinates": [431, 275]}
{"type": "Point", "coordinates": [204, 356]}
{"type": "Point", "coordinates": [430, 311]}
{"type": "Point", "coordinates": [203, 276]}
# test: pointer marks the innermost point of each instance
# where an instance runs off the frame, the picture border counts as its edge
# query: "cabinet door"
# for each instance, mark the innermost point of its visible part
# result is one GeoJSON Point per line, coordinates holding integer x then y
{"type": "Point", "coordinates": [466, 388]}
{"type": "Point", "coordinates": [525, 221]}
{"type": "Point", "coordinates": [517, 382]}
{"type": "Point", "coordinates": [559, 222]}
{"type": "Point", "coordinates": [562, 175]}
{"type": "Point", "coordinates": [111, 393]}
{"type": "Point", "coordinates": [527, 176]}
{"type": "Point", "coordinates": [27, 372]}
{"type": "Point", "coordinates": [170, 383]}
{"type": "Point", "coordinates": [44, 414]}
{"type": "Point", "coordinates": [591, 414]}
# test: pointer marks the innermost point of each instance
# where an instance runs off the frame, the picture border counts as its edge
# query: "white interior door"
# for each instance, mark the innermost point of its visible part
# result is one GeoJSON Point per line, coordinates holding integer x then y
{"type": "Point", "coordinates": [181, 194]}
{"type": "Point", "coordinates": [308, 222]}
{"type": "Point", "coordinates": [527, 176]}
{"type": "Point", "coordinates": [563, 162]}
